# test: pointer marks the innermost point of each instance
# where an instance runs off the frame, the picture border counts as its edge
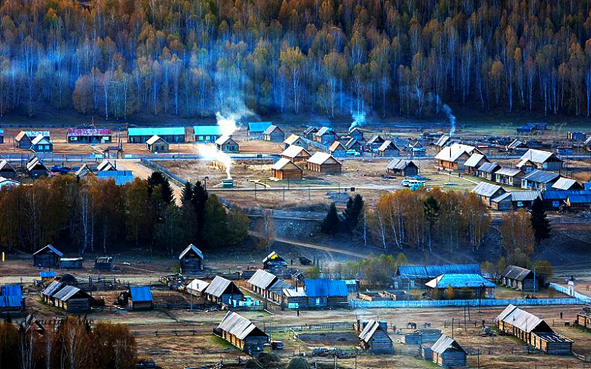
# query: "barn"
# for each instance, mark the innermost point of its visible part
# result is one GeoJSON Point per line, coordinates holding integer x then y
{"type": "Point", "coordinates": [533, 331]}
{"type": "Point", "coordinates": [296, 154]}
{"type": "Point", "coordinates": [72, 299]}
{"type": "Point", "coordinates": [401, 167]}
{"type": "Point", "coordinates": [50, 290]}
{"type": "Point", "coordinates": [140, 298]}
{"type": "Point", "coordinates": [89, 135]}
{"type": "Point", "coordinates": [388, 148]}
{"type": "Point", "coordinates": [326, 292]}
{"type": "Point", "coordinates": [227, 144]}
{"type": "Point", "coordinates": [103, 263]}
{"type": "Point", "coordinates": [464, 286]}
{"type": "Point", "coordinates": [337, 149]}
{"type": "Point", "coordinates": [25, 138]}
{"type": "Point", "coordinates": [519, 278]}
{"type": "Point", "coordinates": [242, 333]}
{"type": "Point", "coordinates": [41, 144]}
{"type": "Point", "coordinates": [168, 134]}
{"type": "Point", "coordinates": [221, 291]}
{"type": "Point", "coordinates": [273, 134]}
{"type": "Point", "coordinates": [324, 163]}
{"type": "Point", "coordinates": [191, 260]}
{"type": "Point", "coordinates": [71, 263]}
{"type": "Point", "coordinates": [47, 257]}
{"type": "Point", "coordinates": [375, 339]}
{"type": "Point", "coordinates": [446, 352]}
{"type": "Point", "coordinates": [7, 170]}
{"type": "Point", "coordinates": [157, 144]}
{"type": "Point", "coordinates": [260, 282]}
{"type": "Point", "coordinates": [294, 139]}
{"type": "Point", "coordinates": [286, 169]}
{"type": "Point", "coordinates": [36, 168]}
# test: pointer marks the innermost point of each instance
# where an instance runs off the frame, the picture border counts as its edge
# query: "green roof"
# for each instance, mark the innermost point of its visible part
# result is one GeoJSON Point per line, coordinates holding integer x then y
{"type": "Point", "coordinates": [161, 131]}
{"type": "Point", "coordinates": [207, 130]}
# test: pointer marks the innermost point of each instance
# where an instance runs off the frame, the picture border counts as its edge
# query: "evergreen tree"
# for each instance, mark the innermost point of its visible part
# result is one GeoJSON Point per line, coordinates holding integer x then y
{"type": "Point", "coordinates": [187, 194]}
{"type": "Point", "coordinates": [198, 201]}
{"type": "Point", "coordinates": [330, 224]}
{"type": "Point", "coordinates": [539, 221]}
{"type": "Point", "coordinates": [431, 210]}
{"type": "Point", "coordinates": [352, 213]}
{"type": "Point", "coordinates": [158, 179]}
{"type": "Point", "coordinates": [215, 227]}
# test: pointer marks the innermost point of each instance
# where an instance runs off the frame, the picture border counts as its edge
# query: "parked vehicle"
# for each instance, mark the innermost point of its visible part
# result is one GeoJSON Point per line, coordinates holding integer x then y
{"type": "Point", "coordinates": [353, 152]}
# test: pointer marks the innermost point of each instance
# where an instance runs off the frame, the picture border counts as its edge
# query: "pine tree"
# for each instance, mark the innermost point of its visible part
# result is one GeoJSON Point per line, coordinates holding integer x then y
{"type": "Point", "coordinates": [199, 199]}
{"type": "Point", "coordinates": [330, 224]}
{"type": "Point", "coordinates": [431, 210]}
{"type": "Point", "coordinates": [353, 212]}
{"type": "Point", "coordinates": [187, 194]}
{"type": "Point", "coordinates": [539, 221]}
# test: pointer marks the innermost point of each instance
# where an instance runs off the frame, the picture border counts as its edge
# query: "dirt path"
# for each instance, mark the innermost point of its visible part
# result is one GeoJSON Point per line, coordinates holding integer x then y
{"type": "Point", "coordinates": [141, 171]}
{"type": "Point", "coordinates": [314, 246]}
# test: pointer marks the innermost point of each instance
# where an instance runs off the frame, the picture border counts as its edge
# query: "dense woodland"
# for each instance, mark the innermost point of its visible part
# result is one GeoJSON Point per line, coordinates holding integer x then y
{"type": "Point", "coordinates": [101, 217]}
{"type": "Point", "coordinates": [327, 57]}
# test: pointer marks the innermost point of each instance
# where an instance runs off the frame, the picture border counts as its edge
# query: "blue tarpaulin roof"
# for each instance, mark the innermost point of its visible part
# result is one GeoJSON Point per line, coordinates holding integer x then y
{"type": "Point", "coordinates": [258, 126]}
{"type": "Point", "coordinates": [121, 177]}
{"type": "Point", "coordinates": [326, 288]}
{"type": "Point", "coordinates": [160, 131]}
{"type": "Point", "coordinates": [139, 294]}
{"type": "Point", "coordinates": [12, 295]}
{"type": "Point", "coordinates": [45, 274]}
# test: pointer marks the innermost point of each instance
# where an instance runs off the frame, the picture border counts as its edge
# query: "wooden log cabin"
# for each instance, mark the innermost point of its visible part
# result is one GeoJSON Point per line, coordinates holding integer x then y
{"type": "Point", "coordinates": [241, 333]}
{"type": "Point", "coordinates": [447, 352]}
{"type": "Point", "coordinates": [72, 299]}
{"type": "Point", "coordinates": [285, 169]}
{"type": "Point", "coordinates": [191, 260]}
{"type": "Point", "coordinates": [375, 339]}
{"type": "Point", "coordinates": [584, 317]}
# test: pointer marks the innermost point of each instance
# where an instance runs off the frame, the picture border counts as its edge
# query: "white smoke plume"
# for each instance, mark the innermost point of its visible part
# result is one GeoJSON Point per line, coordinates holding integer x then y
{"type": "Point", "coordinates": [358, 120]}
{"type": "Point", "coordinates": [452, 119]}
{"type": "Point", "coordinates": [212, 153]}
{"type": "Point", "coordinates": [227, 124]}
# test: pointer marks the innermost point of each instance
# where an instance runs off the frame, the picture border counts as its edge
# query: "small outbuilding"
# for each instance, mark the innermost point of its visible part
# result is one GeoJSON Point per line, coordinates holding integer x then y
{"type": "Point", "coordinates": [357, 134]}
{"type": "Point", "coordinates": [83, 171]}
{"type": "Point", "coordinates": [72, 299]}
{"type": "Point", "coordinates": [296, 154]}
{"type": "Point", "coordinates": [25, 138]}
{"type": "Point", "coordinates": [510, 176]}
{"type": "Point", "coordinates": [222, 290]}
{"type": "Point", "coordinates": [36, 168]}
{"type": "Point", "coordinates": [103, 263]}
{"type": "Point", "coordinates": [326, 136]}
{"type": "Point", "coordinates": [274, 261]}
{"type": "Point", "coordinates": [71, 263]}
{"type": "Point", "coordinates": [50, 290]}
{"type": "Point", "coordinates": [227, 144]}
{"type": "Point", "coordinates": [261, 281]}
{"type": "Point", "coordinates": [337, 149]}
{"type": "Point", "coordinates": [7, 170]}
{"type": "Point", "coordinates": [241, 333]}
{"type": "Point", "coordinates": [488, 171]}
{"type": "Point", "coordinates": [401, 167]}
{"type": "Point", "coordinates": [447, 352]}
{"type": "Point", "coordinates": [519, 278]}
{"type": "Point", "coordinates": [310, 131]}
{"type": "Point", "coordinates": [47, 257]}
{"type": "Point", "coordinates": [11, 299]}
{"type": "Point", "coordinates": [286, 169]}
{"type": "Point", "coordinates": [191, 260]}
{"type": "Point", "coordinates": [487, 191]}
{"type": "Point", "coordinates": [584, 317]}
{"type": "Point", "coordinates": [273, 134]}
{"type": "Point", "coordinates": [353, 144]}
{"type": "Point", "coordinates": [388, 148]}
{"type": "Point", "coordinates": [106, 166]}
{"type": "Point", "coordinates": [196, 287]}
{"type": "Point", "coordinates": [375, 339]}
{"type": "Point", "coordinates": [157, 144]}
{"type": "Point", "coordinates": [255, 129]}
{"type": "Point", "coordinates": [475, 161]}
{"type": "Point", "coordinates": [294, 139]}
{"type": "Point", "coordinates": [322, 162]}
{"type": "Point", "coordinates": [140, 298]}
{"type": "Point", "coordinates": [41, 144]}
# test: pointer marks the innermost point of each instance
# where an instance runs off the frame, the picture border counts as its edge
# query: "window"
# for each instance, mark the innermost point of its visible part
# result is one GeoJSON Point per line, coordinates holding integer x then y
{"type": "Point", "coordinates": [555, 204]}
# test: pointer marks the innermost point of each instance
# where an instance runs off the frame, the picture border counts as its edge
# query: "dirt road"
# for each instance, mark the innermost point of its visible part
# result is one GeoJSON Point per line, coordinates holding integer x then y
{"type": "Point", "coordinates": [141, 171]}
{"type": "Point", "coordinates": [314, 246]}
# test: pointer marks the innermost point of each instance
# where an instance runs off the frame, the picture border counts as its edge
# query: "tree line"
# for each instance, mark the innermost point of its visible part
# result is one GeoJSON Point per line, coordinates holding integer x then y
{"type": "Point", "coordinates": [67, 343]}
{"type": "Point", "coordinates": [97, 215]}
{"type": "Point", "coordinates": [329, 57]}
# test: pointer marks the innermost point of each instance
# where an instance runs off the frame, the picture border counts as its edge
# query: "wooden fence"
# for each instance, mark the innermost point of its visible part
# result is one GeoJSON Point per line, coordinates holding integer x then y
{"type": "Point", "coordinates": [359, 304]}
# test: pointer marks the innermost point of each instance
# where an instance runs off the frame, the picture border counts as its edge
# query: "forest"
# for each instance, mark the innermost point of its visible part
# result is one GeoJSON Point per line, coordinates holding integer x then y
{"type": "Point", "coordinates": [98, 216]}
{"type": "Point", "coordinates": [191, 58]}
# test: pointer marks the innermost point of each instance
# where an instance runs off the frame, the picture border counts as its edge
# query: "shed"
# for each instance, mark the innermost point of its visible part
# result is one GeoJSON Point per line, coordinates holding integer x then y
{"type": "Point", "coordinates": [47, 257]}
{"type": "Point", "coordinates": [274, 261]}
{"type": "Point", "coordinates": [36, 168]}
{"type": "Point", "coordinates": [286, 169]}
{"type": "Point", "coordinates": [533, 331]}
{"type": "Point", "coordinates": [227, 144]}
{"type": "Point", "coordinates": [256, 129]}
{"type": "Point", "coordinates": [140, 298]}
{"type": "Point", "coordinates": [106, 166]}
{"type": "Point", "coordinates": [584, 317]}
{"type": "Point", "coordinates": [191, 260]}
{"type": "Point", "coordinates": [519, 278]}
{"type": "Point", "coordinates": [465, 286]}
{"type": "Point", "coordinates": [576, 136]}
{"type": "Point", "coordinates": [295, 298]}
{"type": "Point", "coordinates": [326, 136]}
{"type": "Point", "coordinates": [275, 291]}
{"type": "Point", "coordinates": [353, 144]}
{"type": "Point", "coordinates": [103, 263]}
{"type": "Point", "coordinates": [375, 339]}
{"type": "Point", "coordinates": [273, 134]}
{"type": "Point", "coordinates": [294, 139]}
{"type": "Point", "coordinates": [539, 180]}
{"type": "Point", "coordinates": [326, 292]}
{"type": "Point", "coordinates": [510, 176]}
{"type": "Point", "coordinates": [446, 352]}
{"type": "Point", "coordinates": [242, 333]}
{"type": "Point", "coordinates": [337, 149]}
{"type": "Point", "coordinates": [296, 154]}
{"type": "Point", "coordinates": [168, 134]}
{"type": "Point", "coordinates": [25, 138]}
{"type": "Point", "coordinates": [11, 299]}
{"type": "Point", "coordinates": [71, 263]}
{"type": "Point", "coordinates": [388, 148]}
{"type": "Point", "coordinates": [50, 290]}
{"type": "Point", "coordinates": [89, 135]}
{"type": "Point", "coordinates": [487, 191]}
{"type": "Point", "coordinates": [488, 171]}
{"type": "Point", "coordinates": [310, 131]}
{"type": "Point", "coordinates": [475, 161]}
{"type": "Point", "coordinates": [401, 167]}
{"type": "Point", "coordinates": [221, 291]}
{"type": "Point", "coordinates": [442, 141]}
{"type": "Point", "coordinates": [261, 281]}
{"type": "Point", "coordinates": [196, 287]}
{"type": "Point", "coordinates": [516, 146]}
{"type": "Point", "coordinates": [72, 299]}
{"type": "Point", "coordinates": [7, 170]}
{"type": "Point", "coordinates": [566, 184]}
{"type": "Point", "coordinates": [83, 171]}
{"type": "Point", "coordinates": [375, 142]}
{"type": "Point", "coordinates": [357, 134]}
{"type": "Point", "coordinates": [157, 144]}
{"type": "Point", "coordinates": [502, 202]}
{"type": "Point", "coordinates": [47, 276]}
{"type": "Point", "coordinates": [324, 163]}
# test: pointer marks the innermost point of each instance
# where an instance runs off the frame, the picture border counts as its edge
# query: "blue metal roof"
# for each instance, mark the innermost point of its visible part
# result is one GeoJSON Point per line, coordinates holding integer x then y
{"type": "Point", "coordinates": [12, 295]}
{"type": "Point", "coordinates": [121, 177]}
{"type": "Point", "coordinates": [326, 288]}
{"type": "Point", "coordinates": [579, 199]}
{"type": "Point", "coordinates": [432, 271]}
{"type": "Point", "coordinates": [207, 130]}
{"type": "Point", "coordinates": [258, 126]}
{"type": "Point", "coordinates": [160, 131]}
{"type": "Point", "coordinates": [562, 195]}
{"type": "Point", "coordinates": [139, 294]}
{"type": "Point", "coordinates": [460, 281]}
{"type": "Point", "coordinates": [1, 131]}
{"type": "Point", "coordinates": [46, 274]}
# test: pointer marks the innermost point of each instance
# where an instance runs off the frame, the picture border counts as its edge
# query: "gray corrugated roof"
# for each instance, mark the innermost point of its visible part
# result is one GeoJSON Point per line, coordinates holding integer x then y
{"type": "Point", "coordinates": [218, 286]}
{"type": "Point", "coordinates": [459, 281]}
{"type": "Point", "coordinates": [541, 176]}
{"type": "Point", "coordinates": [400, 164]}
{"type": "Point", "coordinates": [564, 184]}
{"type": "Point", "coordinates": [474, 160]}
{"type": "Point", "coordinates": [489, 167]}
{"type": "Point", "coordinates": [370, 329]}
{"type": "Point", "coordinates": [237, 325]}
{"type": "Point", "coordinates": [525, 195]}
{"type": "Point", "coordinates": [35, 161]}
{"type": "Point", "coordinates": [5, 165]}
{"type": "Point", "coordinates": [375, 139]}
{"type": "Point", "coordinates": [52, 288]}
{"type": "Point", "coordinates": [293, 151]}
{"type": "Point", "coordinates": [510, 172]}
{"type": "Point", "coordinates": [441, 141]}
{"type": "Point", "coordinates": [486, 189]}
{"type": "Point", "coordinates": [140, 294]}
{"type": "Point", "coordinates": [521, 319]}
{"type": "Point", "coordinates": [279, 286]}
{"type": "Point", "coordinates": [292, 292]}
{"type": "Point", "coordinates": [516, 273]}
{"type": "Point", "coordinates": [50, 248]}
{"type": "Point", "coordinates": [189, 248]}
{"type": "Point", "coordinates": [388, 145]}
{"type": "Point", "coordinates": [444, 343]}
{"type": "Point", "coordinates": [270, 129]}
{"type": "Point", "coordinates": [502, 197]}
{"type": "Point", "coordinates": [324, 130]}
{"type": "Point", "coordinates": [262, 279]}
{"type": "Point", "coordinates": [68, 292]}
{"type": "Point", "coordinates": [538, 156]}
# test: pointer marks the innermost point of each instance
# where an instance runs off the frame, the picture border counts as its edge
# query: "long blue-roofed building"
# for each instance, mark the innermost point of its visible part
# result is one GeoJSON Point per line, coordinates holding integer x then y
{"type": "Point", "coordinates": [207, 134]}
{"type": "Point", "coordinates": [462, 286]}
{"type": "Point", "coordinates": [168, 134]}
{"type": "Point", "coordinates": [326, 293]}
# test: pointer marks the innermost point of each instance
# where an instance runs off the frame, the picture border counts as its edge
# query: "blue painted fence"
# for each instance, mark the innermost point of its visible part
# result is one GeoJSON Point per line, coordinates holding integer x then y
{"type": "Point", "coordinates": [359, 304]}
